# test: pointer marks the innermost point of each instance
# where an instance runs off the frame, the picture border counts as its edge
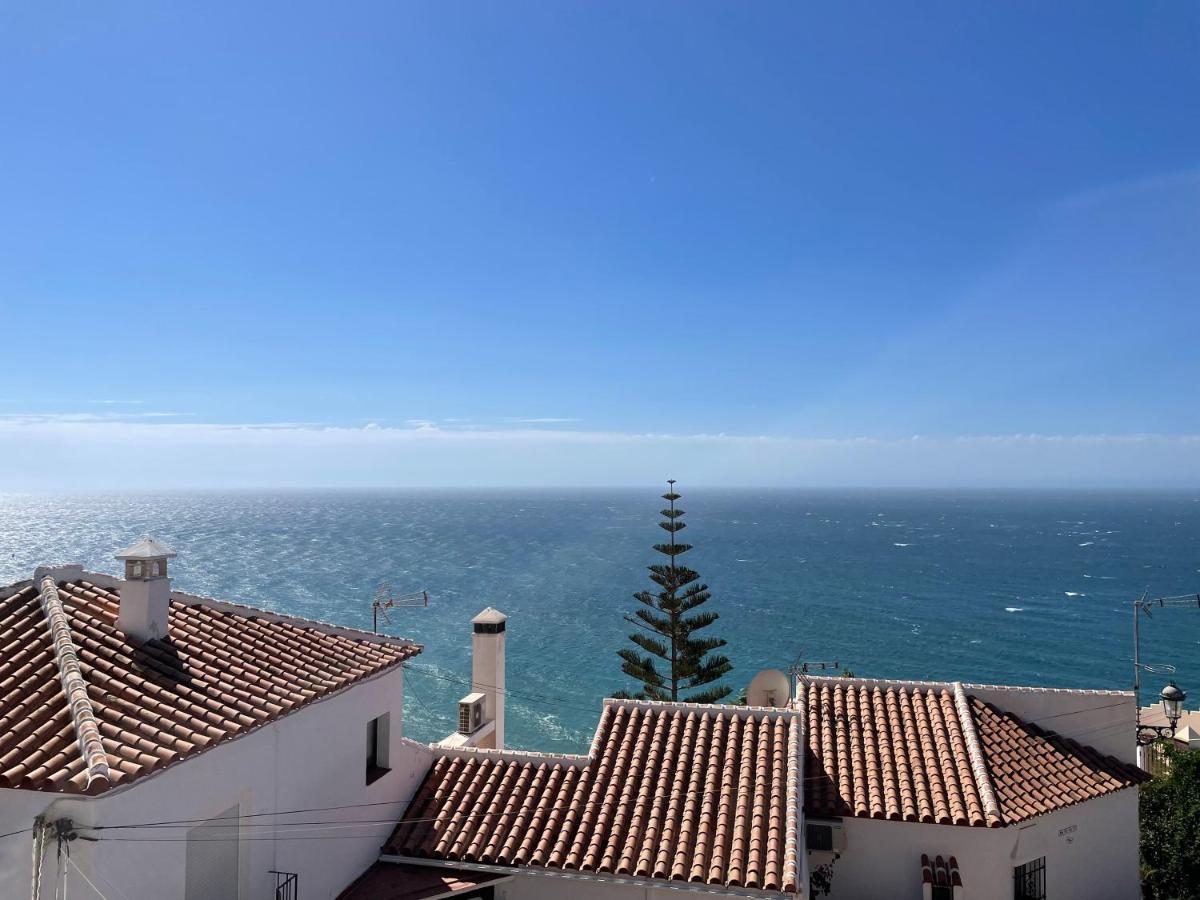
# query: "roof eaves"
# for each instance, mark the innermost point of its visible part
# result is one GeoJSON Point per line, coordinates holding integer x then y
{"type": "Point", "coordinates": [659, 884]}
{"type": "Point", "coordinates": [1026, 818]}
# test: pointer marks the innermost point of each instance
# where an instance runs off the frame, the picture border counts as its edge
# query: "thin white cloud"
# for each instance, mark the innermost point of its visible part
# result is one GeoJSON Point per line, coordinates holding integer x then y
{"type": "Point", "coordinates": [541, 420]}
{"type": "Point", "coordinates": [71, 454]}
{"type": "Point", "coordinates": [119, 402]}
{"type": "Point", "coordinates": [45, 417]}
{"type": "Point", "coordinates": [1159, 181]}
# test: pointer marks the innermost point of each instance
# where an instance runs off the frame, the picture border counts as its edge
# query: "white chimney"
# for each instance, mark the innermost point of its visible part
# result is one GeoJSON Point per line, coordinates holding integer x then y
{"type": "Point", "coordinates": [146, 590]}
{"type": "Point", "coordinates": [487, 666]}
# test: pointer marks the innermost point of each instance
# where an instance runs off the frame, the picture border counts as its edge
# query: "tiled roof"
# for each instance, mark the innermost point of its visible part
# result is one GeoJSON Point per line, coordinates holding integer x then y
{"type": "Point", "coordinates": [888, 752]}
{"type": "Point", "coordinates": [1036, 771]}
{"type": "Point", "coordinates": [224, 670]}
{"type": "Point", "coordinates": [675, 792]}
{"type": "Point", "coordinates": [932, 753]}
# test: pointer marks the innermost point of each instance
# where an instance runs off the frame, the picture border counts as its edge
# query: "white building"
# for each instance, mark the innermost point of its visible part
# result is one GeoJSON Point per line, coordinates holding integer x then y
{"type": "Point", "coordinates": [125, 703]}
{"type": "Point", "coordinates": [907, 790]}
{"type": "Point", "coordinates": [182, 747]}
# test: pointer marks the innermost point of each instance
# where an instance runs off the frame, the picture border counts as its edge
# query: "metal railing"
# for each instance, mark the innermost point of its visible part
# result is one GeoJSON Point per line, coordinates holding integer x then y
{"type": "Point", "coordinates": [287, 885]}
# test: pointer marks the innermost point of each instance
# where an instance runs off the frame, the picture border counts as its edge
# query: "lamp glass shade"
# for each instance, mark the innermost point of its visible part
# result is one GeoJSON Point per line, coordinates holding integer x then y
{"type": "Point", "coordinates": [1172, 702]}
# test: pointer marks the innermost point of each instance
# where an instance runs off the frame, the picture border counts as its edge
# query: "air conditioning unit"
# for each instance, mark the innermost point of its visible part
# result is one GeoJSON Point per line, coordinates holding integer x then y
{"type": "Point", "coordinates": [824, 836]}
{"type": "Point", "coordinates": [470, 713]}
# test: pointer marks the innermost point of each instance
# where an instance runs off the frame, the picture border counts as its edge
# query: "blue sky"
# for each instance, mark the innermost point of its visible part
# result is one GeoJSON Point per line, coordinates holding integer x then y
{"type": "Point", "coordinates": [440, 243]}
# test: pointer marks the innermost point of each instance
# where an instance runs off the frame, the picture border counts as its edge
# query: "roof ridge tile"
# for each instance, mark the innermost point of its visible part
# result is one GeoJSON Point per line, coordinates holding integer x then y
{"type": "Point", "coordinates": [983, 781]}
{"type": "Point", "coordinates": [75, 689]}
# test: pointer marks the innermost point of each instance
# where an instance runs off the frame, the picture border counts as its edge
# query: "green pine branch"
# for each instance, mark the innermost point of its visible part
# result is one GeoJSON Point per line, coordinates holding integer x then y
{"type": "Point", "coordinates": [667, 631]}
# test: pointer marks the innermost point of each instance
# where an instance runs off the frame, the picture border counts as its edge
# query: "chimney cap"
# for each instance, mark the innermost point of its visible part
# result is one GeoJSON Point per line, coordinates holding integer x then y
{"type": "Point", "coordinates": [146, 548]}
{"type": "Point", "coordinates": [490, 617]}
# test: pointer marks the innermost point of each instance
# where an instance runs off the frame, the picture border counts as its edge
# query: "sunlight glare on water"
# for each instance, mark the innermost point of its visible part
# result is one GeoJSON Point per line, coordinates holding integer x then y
{"type": "Point", "coordinates": [1021, 588]}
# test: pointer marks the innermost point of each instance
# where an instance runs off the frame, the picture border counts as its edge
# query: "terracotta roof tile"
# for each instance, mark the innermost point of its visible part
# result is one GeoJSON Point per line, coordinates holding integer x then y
{"type": "Point", "coordinates": [674, 792]}
{"type": "Point", "coordinates": [931, 753]}
{"type": "Point", "coordinates": [1036, 771]}
{"type": "Point", "coordinates": [223, 671]}
{"type": "Point", "coordinates": [709, 794]}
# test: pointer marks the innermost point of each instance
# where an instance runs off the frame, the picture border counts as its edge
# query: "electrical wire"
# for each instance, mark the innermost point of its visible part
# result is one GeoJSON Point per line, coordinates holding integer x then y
{"type": "Point", "coordinates": [544, 699]}
{"type": "Point", "coordinates": [843, 721]}
{"type": "Point", "coordinates": [300, 834]}
{"type": "Point", "coordinates": [838, 722]}
{"type": "Point", "coordinates": [239, 816]}
{"type": "Point", "coordinates": [421, 703]}
{"type": "Point", "coordinates": [71, 863]}
{"type": "Point", "coordinates": [303, 830]}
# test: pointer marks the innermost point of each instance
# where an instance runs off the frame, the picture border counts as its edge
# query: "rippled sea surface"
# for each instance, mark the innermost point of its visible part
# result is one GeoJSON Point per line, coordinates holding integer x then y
{"type": "Point", "coordinates": [1019, 588]}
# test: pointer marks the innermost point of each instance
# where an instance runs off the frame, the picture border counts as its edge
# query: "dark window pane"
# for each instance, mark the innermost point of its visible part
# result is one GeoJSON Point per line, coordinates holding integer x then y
{"type": "Point", "coordinates": [819, 837]}
{"type": "Point", "coordinates": [1029, 880]}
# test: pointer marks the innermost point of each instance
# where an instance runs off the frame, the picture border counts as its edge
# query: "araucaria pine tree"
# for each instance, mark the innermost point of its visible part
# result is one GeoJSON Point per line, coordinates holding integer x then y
{"type": "Point", "coordinates": [675, 660]}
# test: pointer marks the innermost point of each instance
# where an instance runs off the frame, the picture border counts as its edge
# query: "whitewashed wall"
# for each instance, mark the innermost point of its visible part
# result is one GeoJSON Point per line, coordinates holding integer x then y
{"type": "Point", "coordinates": [314, 757]}
{"type": "Point", "coordinates": [1103, 720]}
{"type": "Point", "coordinates": [1091, 853]}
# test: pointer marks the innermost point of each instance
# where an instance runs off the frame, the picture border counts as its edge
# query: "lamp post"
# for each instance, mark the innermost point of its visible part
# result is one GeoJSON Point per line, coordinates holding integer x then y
{"type": "Point", "coordinates": [1172, 705]}
{"type": "Point", "coordinates": [1172, 697]}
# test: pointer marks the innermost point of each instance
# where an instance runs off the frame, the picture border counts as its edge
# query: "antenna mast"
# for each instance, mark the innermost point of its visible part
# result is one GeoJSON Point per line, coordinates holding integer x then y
{"type": "Point", "coordinates": [385, 600]}
{"type": "Point", "coordinates": [1144, 605]}
{"type": "Point", "coordinates": [801, 668]}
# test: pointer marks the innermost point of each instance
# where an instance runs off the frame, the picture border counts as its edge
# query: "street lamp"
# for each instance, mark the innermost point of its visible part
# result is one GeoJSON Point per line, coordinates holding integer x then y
{"type": "Point", "coordinates": [1172, 706]}
{"type": "Point", "coordinates": [1172, 703]}
{"type": "Point", "coordinates": [1172, 697]}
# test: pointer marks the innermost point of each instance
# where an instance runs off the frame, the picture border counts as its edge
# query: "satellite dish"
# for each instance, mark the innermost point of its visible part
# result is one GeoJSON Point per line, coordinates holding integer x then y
{"type": "Point", "coordinates": [769, 687]}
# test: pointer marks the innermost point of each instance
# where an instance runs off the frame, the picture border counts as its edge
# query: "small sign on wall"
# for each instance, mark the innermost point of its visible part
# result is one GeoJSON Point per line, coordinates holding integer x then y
{"type": "Point", "coordinates": [1068, 833]}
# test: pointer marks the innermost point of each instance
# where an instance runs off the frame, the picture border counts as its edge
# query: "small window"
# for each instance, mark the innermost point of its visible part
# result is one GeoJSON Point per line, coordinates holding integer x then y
{"type": "Point", "coordinates": [818, 837]}
{"type": "Point", "coordinates": [377, 747]}
{"type": "Point", "coordinates": [942, 892]}
{"type": "Point", "coordinates": [1029, 880]}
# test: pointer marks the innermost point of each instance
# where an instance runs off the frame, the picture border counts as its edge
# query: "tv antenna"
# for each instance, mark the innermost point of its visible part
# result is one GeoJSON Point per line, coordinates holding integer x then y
{"type": "Point", "coordinates": [1145, 604]}
{"type": "Point", "coordinates": [801, 668]}
{"type": "Point", "coordinates": [385, 600]}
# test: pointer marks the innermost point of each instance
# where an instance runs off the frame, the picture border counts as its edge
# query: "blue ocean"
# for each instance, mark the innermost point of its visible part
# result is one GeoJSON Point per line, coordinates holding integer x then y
{"type": "Point", "coordinates": [1019, 588]}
